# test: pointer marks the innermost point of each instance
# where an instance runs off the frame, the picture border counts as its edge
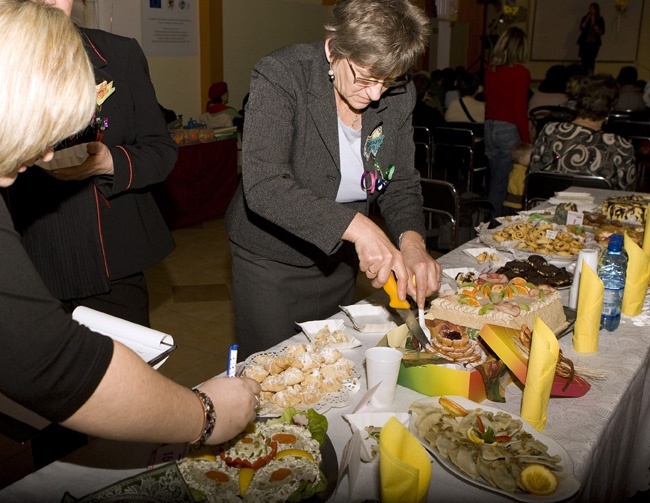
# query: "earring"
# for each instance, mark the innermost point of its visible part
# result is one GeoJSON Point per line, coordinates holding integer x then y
{"type": "Point", "coordinates": [330, 73]}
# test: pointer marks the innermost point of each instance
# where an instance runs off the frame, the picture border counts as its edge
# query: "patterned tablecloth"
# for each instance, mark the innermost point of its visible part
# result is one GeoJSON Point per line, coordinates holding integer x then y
{"type": "Point", "coordinates": [606, 432]}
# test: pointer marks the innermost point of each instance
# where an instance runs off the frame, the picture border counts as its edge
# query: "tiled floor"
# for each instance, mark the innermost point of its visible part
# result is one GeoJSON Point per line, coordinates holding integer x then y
{"type": "Point", "coordinates": [190, 299]}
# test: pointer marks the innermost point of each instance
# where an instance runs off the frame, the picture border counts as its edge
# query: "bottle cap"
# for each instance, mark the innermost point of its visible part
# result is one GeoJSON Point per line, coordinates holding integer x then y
{"type": "Point", "coordinates": [615, 243]}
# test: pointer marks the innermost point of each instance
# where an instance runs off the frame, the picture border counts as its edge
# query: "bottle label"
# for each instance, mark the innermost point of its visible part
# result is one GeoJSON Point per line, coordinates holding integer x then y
{"type": "Point", "coordinates": [612, 300]}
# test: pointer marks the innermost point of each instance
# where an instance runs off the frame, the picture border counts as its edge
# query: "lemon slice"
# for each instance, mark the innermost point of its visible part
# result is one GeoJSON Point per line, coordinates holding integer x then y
{"type": "Point", "coordinates": [203, 453]}
{"type": "Point", "coordinates": [245, 477]}
{"type": "Point", "coordinates": [473, 437]}
{"type": "Point", "coordinates": [452, 407]}
{"type": "Point", "coordinates": [294, 452]}
{"type": "Point", "coordinates": [539, 480]}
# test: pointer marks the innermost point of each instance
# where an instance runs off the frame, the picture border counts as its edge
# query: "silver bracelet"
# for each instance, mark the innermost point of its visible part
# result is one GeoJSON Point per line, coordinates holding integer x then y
{"type": "Point", "coordinates": [209, 418]}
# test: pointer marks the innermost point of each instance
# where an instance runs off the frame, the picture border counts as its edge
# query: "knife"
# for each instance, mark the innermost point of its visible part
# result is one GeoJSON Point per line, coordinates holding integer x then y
{"type": "Point", "coordinates": [403, 308]}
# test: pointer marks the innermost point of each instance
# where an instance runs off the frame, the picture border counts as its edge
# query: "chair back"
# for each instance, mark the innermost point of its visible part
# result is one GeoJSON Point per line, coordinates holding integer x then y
{"type": "Point", "coordinates": [423, 159]}
{"type": "Point", "coordinates": [628, 129]}
{"type": "Point", "coordinates": [541, 185]}
{"type": "Point", "coordinates": [440, 198]}
{"type": "Point", "coordinates": [453, 136]}
{"type": "Point", "coordinates": [540, 116]}
{"type": "Point", "coordinates": [478, 128]}
{"type": "Point", "coordinates": [453, 163]}
{"type": "Point", "coordinates": [423, 139]}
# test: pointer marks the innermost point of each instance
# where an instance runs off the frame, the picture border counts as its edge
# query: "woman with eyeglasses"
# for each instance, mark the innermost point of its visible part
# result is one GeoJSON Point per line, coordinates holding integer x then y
{"type": "Point", "coordinates": [328, 133]}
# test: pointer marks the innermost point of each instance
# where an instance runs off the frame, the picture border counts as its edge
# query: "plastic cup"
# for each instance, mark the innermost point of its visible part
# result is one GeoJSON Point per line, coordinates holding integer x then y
{"type": "Point", "coordinates": [382, 367]}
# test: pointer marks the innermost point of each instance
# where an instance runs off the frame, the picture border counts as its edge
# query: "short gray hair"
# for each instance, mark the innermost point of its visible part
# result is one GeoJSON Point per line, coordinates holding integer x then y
{"type": "Point", "coordinates": [384, 36]}
{"type": "Point", "coordinates": [48, 87]}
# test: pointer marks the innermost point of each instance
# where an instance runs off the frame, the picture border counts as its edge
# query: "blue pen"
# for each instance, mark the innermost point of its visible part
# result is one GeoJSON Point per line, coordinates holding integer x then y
{"type": "Point", "coordinates": [232, 360]}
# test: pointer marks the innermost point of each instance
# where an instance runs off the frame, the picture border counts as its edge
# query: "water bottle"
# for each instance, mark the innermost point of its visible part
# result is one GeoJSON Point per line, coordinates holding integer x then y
{"type": "Point", "coordinates": [611, 269]}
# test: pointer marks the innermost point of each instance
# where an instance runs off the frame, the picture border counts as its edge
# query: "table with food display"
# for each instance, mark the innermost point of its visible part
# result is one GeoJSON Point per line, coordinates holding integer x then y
{"type": "Point", "coordinates": [461, 402]}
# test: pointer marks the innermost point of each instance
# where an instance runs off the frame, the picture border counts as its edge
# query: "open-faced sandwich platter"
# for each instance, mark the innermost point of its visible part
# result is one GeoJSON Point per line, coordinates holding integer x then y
{"type": "Point", "coordinates": [285, 459]}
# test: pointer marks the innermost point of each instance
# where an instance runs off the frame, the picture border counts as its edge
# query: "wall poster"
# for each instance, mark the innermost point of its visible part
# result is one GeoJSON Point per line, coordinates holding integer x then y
{"type": "Point", "coordinates": [170, 27]}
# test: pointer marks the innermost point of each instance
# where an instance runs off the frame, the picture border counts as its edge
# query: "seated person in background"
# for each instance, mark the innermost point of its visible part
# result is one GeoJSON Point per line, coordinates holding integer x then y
{"type": "Point", "coordinates": [552, 90]}
{"type": "Point", "coordinates": [514, 201]}
{"type": "Point", "coordinates": [436, 88]}
{"type": "Point", "coordinates": [427, 111]}
{"type": "Point", "coordinates": [581, 147]}
{"type": "Point", "coordinates": [466, 108]}
{"type": "Point", "coordinates": [630, 96]}
{"type": "Point", "coordinates": [449, 84]}
{"type": "Point", "coordinates": [218, 113]}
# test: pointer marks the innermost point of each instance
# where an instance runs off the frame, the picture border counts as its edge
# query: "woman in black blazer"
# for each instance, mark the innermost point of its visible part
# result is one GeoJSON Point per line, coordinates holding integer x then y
{"type": "Point", "coordinates": [327, 133]}
{"type": "Point", "coordinates": [92, 229]}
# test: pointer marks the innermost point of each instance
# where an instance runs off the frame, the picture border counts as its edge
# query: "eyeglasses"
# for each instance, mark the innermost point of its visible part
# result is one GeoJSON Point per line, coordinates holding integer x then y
{"type": "Point", "coordinates": [363, 82]}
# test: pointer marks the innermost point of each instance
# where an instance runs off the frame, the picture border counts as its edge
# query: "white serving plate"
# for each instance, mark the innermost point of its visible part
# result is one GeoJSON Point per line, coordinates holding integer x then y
{"type": "Point", "coordinates": [455, 271]}
{"type": "Point", "coordinates": [361, 420]}
{"type": "Point", "coordinates": [369, 317]}
{"type": "Point", "coordinates": [568, 484]}
{"type": "Point", "coordinates": [475, 252]}
{"type": "Point", "coordinates": [336, 399]}
{"type": "Point", "coordinates": [311, 328]}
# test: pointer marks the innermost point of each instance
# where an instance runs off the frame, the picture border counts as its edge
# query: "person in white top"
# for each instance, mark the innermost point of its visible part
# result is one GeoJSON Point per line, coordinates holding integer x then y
{"type": "Point", "coordinates": [466, 108]}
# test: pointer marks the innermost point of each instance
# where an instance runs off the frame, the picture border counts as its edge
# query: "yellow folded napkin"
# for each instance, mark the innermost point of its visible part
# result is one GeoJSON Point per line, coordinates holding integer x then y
{"type": "Point", "coordinates": [590, 305]}
{"type": "Point", "coordinates": [646, 234]}
{"type": "Point", "coordinates": [636, 278]}
{"type": "Point", "coordinates": [404, 466]}
{"type": "Point", "coordinates": [542, 361]}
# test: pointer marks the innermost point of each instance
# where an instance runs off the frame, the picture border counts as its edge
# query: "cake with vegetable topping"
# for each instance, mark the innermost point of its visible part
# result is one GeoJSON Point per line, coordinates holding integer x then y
{"type": "Point", "coordinates": [496, 300]}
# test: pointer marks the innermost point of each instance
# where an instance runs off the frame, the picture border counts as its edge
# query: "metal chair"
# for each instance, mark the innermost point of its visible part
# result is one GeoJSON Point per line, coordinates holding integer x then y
{"type": "Point", "coordinates": [423, 140]}
{"type": "Point", "coordinates": [478, 128]}
{"type": "Point", "coordinates": [440, 198]}
{"type": "Point", "coordinates": [541, 185]}
{"type": "Point", "coordinates": [636, 128]}
{"type": "Point", "coordinates": [459, 157]}
{"type": "Point", "coordinates": [540, 116]}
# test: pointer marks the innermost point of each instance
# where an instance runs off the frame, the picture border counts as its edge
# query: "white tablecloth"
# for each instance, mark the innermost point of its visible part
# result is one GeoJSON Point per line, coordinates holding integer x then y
{"type": "Point", "coordinates": [606, 432]}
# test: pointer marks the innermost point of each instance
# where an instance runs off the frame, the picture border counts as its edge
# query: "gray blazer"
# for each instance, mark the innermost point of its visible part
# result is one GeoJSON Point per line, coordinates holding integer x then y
{"type": "Point", "coordinates": [285, 209]}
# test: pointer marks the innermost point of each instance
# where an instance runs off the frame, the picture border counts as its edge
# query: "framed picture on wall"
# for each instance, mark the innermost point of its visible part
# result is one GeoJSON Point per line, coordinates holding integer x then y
{"type": "Point", "coordinates": [556, 28]}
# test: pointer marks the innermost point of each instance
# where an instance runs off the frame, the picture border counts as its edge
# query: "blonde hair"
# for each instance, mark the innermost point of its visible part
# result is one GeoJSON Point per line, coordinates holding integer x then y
{"type": "Point", "coordinates": [48, 87]}
{"type": "Point", "coordinates": [384, 36]}
{"type": "Point", "coordinates": [521, 153]}
{"type": "Point", "coordinates": [511, 48]}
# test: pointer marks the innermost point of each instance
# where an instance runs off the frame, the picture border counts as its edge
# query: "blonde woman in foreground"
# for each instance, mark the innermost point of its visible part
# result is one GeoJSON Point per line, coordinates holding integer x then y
{"type": "Point", "coordinates": [49, 363]}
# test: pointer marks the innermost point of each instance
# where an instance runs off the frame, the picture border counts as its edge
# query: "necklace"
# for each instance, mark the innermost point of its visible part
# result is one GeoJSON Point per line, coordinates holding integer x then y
{"type": "Point", "coordinates": [344, 110]}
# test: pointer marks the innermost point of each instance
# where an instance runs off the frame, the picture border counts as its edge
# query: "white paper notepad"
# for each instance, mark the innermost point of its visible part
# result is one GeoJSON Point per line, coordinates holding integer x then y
{"type": "Point", "coordinates": [151, 345]}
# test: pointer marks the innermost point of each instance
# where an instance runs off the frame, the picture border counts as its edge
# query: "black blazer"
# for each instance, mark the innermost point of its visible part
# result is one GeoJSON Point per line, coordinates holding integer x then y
{"type": "Point", "coordinates": [81, 235]}
{"type": "Point", "coordinates": [285, 208]}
